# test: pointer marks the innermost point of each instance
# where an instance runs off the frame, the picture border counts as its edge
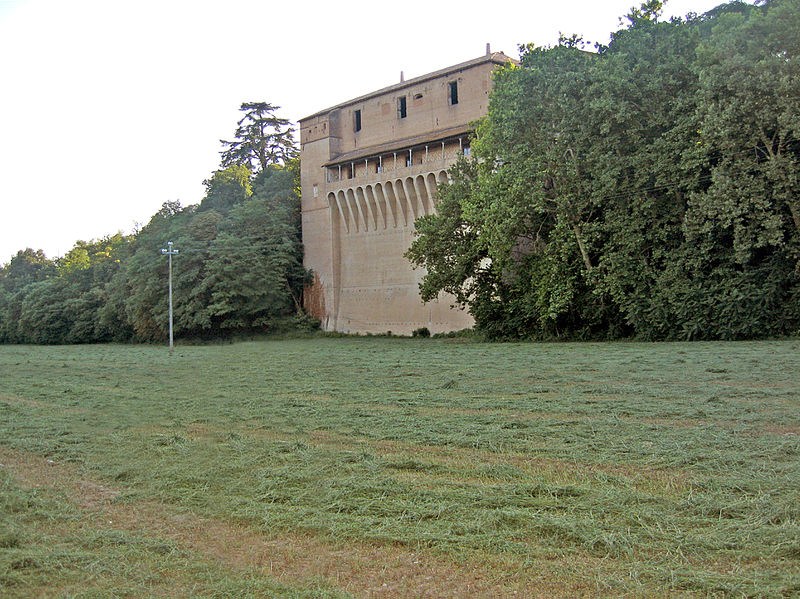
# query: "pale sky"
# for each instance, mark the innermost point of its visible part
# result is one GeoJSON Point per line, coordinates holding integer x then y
{"type": "Point", "coordinates": [108, 109]}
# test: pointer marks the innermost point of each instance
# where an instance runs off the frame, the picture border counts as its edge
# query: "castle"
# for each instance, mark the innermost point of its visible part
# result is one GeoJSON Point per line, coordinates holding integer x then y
{"type": "Point", "coordinates": [369, 169]}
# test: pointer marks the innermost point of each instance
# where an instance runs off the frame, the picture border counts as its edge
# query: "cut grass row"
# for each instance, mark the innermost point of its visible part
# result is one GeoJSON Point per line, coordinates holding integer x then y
{"type": "Point", "coordinates": [675, 466]}
{"type": "Point", "coordinates": [50, 547]}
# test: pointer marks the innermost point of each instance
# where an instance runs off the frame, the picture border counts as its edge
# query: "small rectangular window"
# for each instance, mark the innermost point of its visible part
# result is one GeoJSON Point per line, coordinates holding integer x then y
{"type": "Point", "coordinates": [401, 107]}
{"type": "Point", "coordinates": [453, 85]}
{"type": "Point", "coordinates": [357, 120]}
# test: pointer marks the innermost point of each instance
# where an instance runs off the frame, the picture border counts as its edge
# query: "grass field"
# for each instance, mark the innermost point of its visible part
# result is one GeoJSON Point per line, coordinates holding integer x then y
{"type": "Point", "coordinates": [401, 467]}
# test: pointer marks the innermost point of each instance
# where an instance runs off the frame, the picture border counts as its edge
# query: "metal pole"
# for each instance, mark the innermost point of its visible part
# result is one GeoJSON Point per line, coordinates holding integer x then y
{"type": "Point", "coordinates": [170, 298]}
{"type": "Point", "coordinates": [170, 252]}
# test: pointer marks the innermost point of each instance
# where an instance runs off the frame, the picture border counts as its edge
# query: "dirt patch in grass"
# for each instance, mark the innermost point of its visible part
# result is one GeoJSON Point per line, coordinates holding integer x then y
{"type": "Point", "coordinates": [558, 470]}
{"type": "Point", "coordinates": [200, 431]}
{"type": "Point", "coordinates": [14, 399]}
{"type": "Point", "coordinates": [506, 415]}
{"type": "Point", "coordinates": [755, 386]}
{"type": "Point", "coordinates": [785, 430]}
{"type": "Point", "coordinates": [307, 397]}
{"type": "Point", "coordinates": [362, 569]}
{"type": "Point", "coordinates": [676, 422]}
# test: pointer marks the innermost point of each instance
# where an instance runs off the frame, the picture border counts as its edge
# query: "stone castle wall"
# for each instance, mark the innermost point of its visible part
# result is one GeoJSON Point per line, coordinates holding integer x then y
{"type": "Point", "coordinates": [369, 169]}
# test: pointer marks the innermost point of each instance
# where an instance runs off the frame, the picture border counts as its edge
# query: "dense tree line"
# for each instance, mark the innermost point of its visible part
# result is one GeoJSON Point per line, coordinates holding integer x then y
{"type": "Point", "coordinates": [648, 189]}
{"type": "Point", "coordinates": [239, 268]}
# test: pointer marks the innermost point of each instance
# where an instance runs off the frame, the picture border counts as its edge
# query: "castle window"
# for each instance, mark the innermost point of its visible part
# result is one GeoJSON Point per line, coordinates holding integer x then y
{"type": "Point", "coordinates": [357, 120]}
{"type": "Point", "coordinates": [401, 107]}
{"type": "Point", "coordinates": [453, 98]}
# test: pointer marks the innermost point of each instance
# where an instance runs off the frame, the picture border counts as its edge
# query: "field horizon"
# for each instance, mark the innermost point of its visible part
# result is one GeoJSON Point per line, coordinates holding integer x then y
{"type": "Point", "coordinates": [396, 467]}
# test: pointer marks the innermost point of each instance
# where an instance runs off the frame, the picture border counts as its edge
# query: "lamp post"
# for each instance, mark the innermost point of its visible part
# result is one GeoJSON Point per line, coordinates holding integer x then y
{"type": "Point", "coordinates": [168, 251]}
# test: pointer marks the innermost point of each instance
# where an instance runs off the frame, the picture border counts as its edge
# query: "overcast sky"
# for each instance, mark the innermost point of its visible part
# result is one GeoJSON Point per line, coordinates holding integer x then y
{"type": "Point", "coordinates": [108, 109]}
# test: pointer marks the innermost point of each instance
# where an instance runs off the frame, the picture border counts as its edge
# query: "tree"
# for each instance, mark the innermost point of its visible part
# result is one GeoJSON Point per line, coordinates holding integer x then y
{"type": "Point", "coordinates": [240, 266]}
{"type": "Point", "coordinates": [226, 188]}
{"type": "Point", "coordinates": [449, 246]}
{"type": "Point", "coordinates": [254, 272]}
{"type": "Point", "coordinates": [60, 301]}
{"type": "Point", "coordinates": [262, 138]}
{"type": "Point", "coordinates": [27, 266]}
{"type": "Point", "coordinates": [240, 263]}
{"type": "Point", "coordinates": [750, 127]}
{"type": "Point", "coordinates": [25, 269]}
{"type": "Point", "coordinates": [650, 188]}
{"type": "Point", "coordinates": [525, 204]}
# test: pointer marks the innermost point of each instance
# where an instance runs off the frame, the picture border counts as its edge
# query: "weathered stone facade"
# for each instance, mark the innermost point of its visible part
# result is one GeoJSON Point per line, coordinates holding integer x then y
{"type": "Point", "coordinates": [369, 168]}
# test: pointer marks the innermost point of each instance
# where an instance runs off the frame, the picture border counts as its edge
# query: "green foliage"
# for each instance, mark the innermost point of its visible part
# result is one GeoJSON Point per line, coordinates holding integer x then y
{"type": "Point", "coordinates": [226, 188]}
{"type": "Point", "coordinates": [262, 138]}
{"type": "Point", "coordinates": [648, 189]}
{"type": "Point", "coordinates": [27, 266]}
{"type": "Point", "coordinates": [65, 306]}
{"type": "Point", "coordinates": [239, 269]}
{"type": "Point", "coordinates": [240, 262]}
{"type": "Point", "coordinates": [249, 266]}
{"type": "Point", "coordinates": [447, 245]}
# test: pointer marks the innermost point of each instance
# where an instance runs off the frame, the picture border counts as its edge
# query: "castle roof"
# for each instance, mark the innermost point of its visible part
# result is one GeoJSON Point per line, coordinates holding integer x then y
{"type": "Point", "coordinates": [493, 57]}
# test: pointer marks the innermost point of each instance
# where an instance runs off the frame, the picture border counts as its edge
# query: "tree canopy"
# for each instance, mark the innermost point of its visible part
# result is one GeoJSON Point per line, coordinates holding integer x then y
{"type": "Point", "coordinates": [261, 138]}
{"type": "Point", "coordinates": [239, 269]}
{"type": "Point", "coordinates": [649, 188]}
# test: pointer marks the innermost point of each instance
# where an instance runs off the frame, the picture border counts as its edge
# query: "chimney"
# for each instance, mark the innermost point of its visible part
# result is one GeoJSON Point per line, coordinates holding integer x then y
{"type": "Point", "coordinates": [488, 49]}
{"type": "Point", "coordinates": [402, 77]}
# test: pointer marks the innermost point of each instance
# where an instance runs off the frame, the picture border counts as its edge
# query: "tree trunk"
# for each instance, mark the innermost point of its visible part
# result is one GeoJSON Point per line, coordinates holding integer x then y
{"type": "Point", "coordinates": [582, 246]}
{"type": "Point", "coordinates": [297, 305]}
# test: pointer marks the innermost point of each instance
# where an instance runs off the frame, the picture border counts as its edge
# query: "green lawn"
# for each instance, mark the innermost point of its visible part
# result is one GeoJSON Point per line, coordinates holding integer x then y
{"type": "Point", "coordinates": [587, 468]}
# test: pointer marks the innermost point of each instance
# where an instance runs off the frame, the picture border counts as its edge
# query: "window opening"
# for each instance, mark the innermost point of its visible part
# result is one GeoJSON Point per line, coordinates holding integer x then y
{"type": "Point", "coordinates": [357, 120]}
{"type": "Point", "coordinates": [401, 107]}
{"type": "Point", "coordinates": [453, 85]}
